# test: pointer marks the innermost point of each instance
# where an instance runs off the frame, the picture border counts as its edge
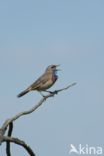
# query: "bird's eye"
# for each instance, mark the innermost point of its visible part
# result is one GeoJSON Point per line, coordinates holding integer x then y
{"type": "Point", "coordinates": [53, 67]}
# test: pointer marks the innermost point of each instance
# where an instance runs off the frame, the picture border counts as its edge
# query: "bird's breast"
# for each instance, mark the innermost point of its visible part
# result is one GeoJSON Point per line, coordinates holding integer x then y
{"type": "Point", "coordinates": [54, 78]}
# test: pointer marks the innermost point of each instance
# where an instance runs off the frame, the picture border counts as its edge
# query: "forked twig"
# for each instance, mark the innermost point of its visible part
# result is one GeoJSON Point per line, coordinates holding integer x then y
{"type": "Point", "coordinates": [9, 123]}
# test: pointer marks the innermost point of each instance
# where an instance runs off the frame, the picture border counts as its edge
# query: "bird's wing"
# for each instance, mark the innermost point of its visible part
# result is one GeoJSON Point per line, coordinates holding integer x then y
{"type": "Point", "coordinates": [40, 81]}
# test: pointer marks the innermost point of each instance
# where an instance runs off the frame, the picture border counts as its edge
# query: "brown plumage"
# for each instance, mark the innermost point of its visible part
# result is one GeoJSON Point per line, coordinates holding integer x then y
{"type": "Point", "coordinates": [44, 82]}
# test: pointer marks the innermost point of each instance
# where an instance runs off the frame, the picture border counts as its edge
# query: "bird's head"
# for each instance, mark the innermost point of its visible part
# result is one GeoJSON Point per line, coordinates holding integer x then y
{"type": "Point", "coordinates": [52, 68]}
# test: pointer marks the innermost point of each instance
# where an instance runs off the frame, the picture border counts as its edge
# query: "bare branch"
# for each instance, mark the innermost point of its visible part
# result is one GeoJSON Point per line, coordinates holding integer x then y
{"type": "Point", "coordinates": [71, 85]}
{"type": "Point", "coordinates": [19, 142]}
{"type": "Point", "coordinates": [9, 135]}
{"type": "Point", "coordinates": [51, 94]}
{"type": "Point", "coordinates": [9, 123]}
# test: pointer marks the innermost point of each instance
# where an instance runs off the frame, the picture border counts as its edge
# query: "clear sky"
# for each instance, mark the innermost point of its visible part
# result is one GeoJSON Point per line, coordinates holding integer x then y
{"type": "Point", "coordinates": [35, 34]}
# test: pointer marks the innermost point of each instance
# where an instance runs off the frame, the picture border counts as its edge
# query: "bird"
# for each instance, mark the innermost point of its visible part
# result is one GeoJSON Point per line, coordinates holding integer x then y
{"type": "Point", "coordinates": [44, 82]}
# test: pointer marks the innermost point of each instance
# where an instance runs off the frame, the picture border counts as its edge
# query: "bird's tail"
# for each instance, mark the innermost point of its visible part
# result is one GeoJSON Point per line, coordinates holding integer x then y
{"type": "Point", "coordinates": [23, 93]}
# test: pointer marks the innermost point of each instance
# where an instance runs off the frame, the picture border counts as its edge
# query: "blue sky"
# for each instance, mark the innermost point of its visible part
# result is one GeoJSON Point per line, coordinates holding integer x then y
{"type": "Point", "coordinates": [35, 34]}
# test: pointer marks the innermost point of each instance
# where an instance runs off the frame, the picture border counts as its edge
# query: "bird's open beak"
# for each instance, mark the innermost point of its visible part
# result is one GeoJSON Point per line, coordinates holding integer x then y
{"type": "Point", "coordinates": [58, 66]}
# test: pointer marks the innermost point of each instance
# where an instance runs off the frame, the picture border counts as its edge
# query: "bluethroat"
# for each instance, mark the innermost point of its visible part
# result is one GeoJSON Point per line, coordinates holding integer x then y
{"type": "Point", "coordinates": [44, 82]}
